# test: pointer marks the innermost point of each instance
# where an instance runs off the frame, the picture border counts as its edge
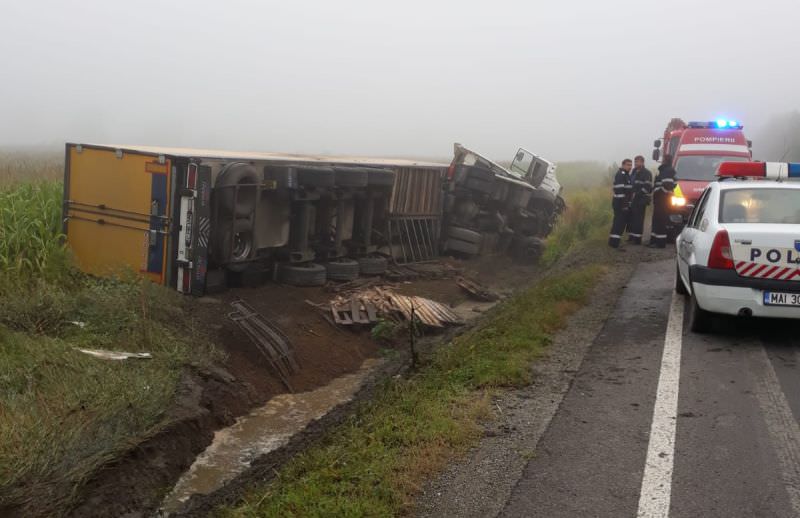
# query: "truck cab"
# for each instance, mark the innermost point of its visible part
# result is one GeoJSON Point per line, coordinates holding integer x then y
{"type": "Point", "coordinates": [697, 149]}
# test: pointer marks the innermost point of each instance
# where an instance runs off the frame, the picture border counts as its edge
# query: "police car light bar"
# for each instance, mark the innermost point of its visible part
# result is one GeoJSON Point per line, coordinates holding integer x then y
{"type": "Point", "coordinates": [772, 170]}
{"type": "Point", "coordinates": [717, 124]}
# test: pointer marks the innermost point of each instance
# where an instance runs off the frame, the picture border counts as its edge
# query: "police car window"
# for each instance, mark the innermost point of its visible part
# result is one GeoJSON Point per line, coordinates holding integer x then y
{"type": "Point", "coordinates": [697, 213]}
{"type": "Point", "coordinates": [702, 167]}
{"type": "Point", "coordinates": [775, 206]}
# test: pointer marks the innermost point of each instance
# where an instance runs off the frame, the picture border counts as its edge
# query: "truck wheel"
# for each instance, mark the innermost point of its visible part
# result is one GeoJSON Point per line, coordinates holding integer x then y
{"type": "Point", "coordinates": [342, 270]}
{"type": "Point", "coordinates": [238, 242]}
{"type": "Point", "coordinates": [464, 234]}
{"type": "Point", "coordinates": [699, 319]}
{"type": "Point", "coordinates": [456, 245]}
{"type": "Point", "coordinates": [309, 274]}
{"type": "Point", "coordinates": [233, 175]}
{"type": "Point", "coordinates": [373, 265]}
{"type": "Point", "coordinates": [527, 249]}
{"type": "Point", "coordinates": [680, 288]}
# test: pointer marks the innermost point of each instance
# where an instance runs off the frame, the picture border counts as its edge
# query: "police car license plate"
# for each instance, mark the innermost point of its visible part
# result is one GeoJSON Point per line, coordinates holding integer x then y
{"type": "Point", "coordinates": [775, 298]}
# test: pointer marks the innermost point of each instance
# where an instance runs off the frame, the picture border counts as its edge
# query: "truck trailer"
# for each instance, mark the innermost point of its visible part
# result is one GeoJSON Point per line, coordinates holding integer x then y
{"type": "Point", "coordinates": [199, 220]}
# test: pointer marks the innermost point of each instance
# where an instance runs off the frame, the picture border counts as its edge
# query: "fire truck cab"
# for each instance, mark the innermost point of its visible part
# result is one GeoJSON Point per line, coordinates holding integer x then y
{"type": "Point", "coordinates": [697, 149]}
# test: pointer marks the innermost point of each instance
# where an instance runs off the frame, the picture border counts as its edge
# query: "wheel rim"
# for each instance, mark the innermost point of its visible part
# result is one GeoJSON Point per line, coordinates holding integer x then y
{"type": "Point", "coordinates": [242, 246]}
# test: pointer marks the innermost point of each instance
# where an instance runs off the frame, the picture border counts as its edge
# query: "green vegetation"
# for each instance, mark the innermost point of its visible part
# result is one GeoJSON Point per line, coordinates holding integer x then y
{"type": "Point", "coordinates": [374, 463]}
{"type": "Point", "coordinates": [585, 223]}
{"type": "Point", "coordinates": [31, 242]}
{"type": "Point", "coordinates": [64, 413]}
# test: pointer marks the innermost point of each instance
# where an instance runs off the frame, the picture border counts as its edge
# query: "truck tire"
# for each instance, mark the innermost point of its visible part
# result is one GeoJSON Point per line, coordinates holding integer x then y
{"type": "Point", "coordinates": [238, 241]}
{"type": "Point", "coordinates": [350, 176]}
{"type": "Point", "coordinates": [309, 274]}
{"type": "Point", "coordinates": [232, 175]}
{"type": "Point", "coordinates": [380, 177]}
{"type": "Point", "coordinates": [527, 249]}
{"type": "Point", "coordinates": [464, 234]}
{"type": "Point", "coordinates": [463, 247]}
{"type": "Point", "coordinates": [342, 270]}
{"type": "Point", "coordinates": [372, 265]}
{"type": "Point", "coordinates": [316, 176]}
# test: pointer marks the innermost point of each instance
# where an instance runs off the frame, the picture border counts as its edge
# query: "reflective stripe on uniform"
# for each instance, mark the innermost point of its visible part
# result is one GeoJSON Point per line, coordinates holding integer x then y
{"type": "Point", "coordinates": [615, 236]}
{"type": "Point", "coordinates": [634, 235]}
{"type": "Point", "coordinates": [619, 195]}
{"type": "Point", "coordinates": [659, 236]}
{"type": "Point", "coordinates": [618, 185]}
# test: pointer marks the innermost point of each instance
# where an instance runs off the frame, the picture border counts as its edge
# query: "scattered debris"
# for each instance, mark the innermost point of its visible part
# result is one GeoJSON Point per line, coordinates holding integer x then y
{"type": "Point", "coordinates": [476, 290]}
{"type": "Point", "coordinates": [114, 355]}
{"type": "Point", "coordinates": [77, 323]}
{"type": "Point", "coordinates": [429, 270]}
{"type": "Point", "coordinates": [268, 338]}
{"type": "Point", "coordinates": [369, 305]}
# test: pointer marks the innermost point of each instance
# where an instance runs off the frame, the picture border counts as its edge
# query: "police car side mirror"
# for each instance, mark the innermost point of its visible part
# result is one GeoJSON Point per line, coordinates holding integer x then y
{"type": "Point", "coordinates": [656, 154]}
{"type": "Point", "coordinates": [657, 143]}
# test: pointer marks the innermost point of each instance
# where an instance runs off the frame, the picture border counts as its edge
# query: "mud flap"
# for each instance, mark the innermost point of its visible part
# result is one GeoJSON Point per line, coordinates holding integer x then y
{"type": "Point", "coordinates": [195, 230]}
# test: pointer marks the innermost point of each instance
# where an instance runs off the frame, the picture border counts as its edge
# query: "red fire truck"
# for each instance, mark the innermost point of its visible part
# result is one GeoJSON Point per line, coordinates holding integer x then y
{"type": "Point", "coordinates": [697, 149]}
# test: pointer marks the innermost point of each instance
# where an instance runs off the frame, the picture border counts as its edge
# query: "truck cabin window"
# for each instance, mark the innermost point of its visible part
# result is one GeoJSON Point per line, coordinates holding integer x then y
{"type": "Point", "coordinates": [522, 163]}
{"type": "Point", "coordinates": [702, 168]}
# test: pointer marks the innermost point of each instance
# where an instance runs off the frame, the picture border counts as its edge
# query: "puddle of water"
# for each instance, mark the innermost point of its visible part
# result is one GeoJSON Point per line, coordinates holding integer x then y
{"type": "Point", "coordinates": [261, 431]}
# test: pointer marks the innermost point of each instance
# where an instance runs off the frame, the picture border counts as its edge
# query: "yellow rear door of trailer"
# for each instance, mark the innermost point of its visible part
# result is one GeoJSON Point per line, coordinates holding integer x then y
{"type": "Point", "coordinates": [117, 211]}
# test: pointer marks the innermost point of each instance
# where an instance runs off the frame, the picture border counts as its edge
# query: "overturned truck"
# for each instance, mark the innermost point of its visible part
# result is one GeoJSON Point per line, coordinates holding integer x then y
{"type": "Point", "coordinates": [200, 220]}
{"type": "Point", "coordinates": [491, 209]}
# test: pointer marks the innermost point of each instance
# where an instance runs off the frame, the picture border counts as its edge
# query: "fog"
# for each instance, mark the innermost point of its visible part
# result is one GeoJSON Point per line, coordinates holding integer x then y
{"type": "Point", "coordinates": [568, 79]}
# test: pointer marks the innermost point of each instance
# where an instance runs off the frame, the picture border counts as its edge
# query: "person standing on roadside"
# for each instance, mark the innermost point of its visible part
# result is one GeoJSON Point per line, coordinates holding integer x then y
{"type": "Point", "coordinates": [642, 182]}
{"type": "Point", "coordinates": [621, 202]}
{"type": "Point", "coordinates": [662, 191]}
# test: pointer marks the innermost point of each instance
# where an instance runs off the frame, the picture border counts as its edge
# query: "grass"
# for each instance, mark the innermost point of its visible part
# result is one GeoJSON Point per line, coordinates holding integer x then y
{"type": "Point", "coordinates": [63, 414]}
{"type": "Point", "coordinates": [375, 463]}
{"type": "Point", "coordinates": [585, 223]}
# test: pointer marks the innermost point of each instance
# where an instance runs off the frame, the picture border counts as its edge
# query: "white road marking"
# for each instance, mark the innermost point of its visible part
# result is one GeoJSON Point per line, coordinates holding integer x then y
{"type": "Point", "coordinates": [781, 424]}
{"type": "Point", "coordinates": [656, 489]}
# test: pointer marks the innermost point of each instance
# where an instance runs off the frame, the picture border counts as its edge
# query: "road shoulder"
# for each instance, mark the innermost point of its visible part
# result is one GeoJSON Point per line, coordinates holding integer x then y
{"type": "Point", "coordinates": [481, 483]}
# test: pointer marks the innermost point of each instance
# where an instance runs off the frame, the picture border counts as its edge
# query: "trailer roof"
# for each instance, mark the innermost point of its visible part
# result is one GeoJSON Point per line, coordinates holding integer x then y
{"type": "Point", "coordinates": [273, 157]}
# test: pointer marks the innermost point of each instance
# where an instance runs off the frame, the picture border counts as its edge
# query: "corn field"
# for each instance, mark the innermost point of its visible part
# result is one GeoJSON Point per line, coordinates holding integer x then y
{"type": "Point", "coordinates": [30, 228]}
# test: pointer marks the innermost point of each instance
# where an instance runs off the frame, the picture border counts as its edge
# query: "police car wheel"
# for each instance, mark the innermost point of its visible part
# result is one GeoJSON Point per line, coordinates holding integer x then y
{"type": "Point", "coordinates": [699, 319]}
{"type": "Point", "coordinates": [680, 288]}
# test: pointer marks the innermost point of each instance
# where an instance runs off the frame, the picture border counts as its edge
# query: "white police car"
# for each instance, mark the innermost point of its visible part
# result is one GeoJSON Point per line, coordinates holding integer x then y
{"type": "Point", "coordinates": [739, 253]}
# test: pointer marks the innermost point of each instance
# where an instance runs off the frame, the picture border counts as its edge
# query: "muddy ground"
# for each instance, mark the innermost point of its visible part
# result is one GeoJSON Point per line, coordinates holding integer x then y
{"type": "Point", "coordinates": [212, 398]}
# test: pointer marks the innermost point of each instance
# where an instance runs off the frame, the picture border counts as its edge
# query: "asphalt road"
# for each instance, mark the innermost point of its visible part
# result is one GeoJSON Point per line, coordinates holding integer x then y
{"type": "Point", "coordinates": [718, 437]}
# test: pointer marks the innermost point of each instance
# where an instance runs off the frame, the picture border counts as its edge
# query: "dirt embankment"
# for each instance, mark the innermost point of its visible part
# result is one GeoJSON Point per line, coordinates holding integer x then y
{"type": "Point", "coordinates": [210, 399]}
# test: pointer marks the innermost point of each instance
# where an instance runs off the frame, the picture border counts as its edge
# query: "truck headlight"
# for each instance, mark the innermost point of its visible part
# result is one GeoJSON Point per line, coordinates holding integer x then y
{"type": "Point", "coordinates": [678, 201]}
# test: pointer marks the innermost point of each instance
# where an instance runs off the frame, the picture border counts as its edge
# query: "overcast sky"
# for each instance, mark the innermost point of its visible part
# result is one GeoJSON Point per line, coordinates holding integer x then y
{"type": "Point", "coordinates": [568, 79]}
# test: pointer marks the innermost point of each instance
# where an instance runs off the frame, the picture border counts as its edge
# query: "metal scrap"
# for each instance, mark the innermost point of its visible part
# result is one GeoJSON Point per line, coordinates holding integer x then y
{"type": "Point", "coordinates": [268, 338]}
{"type": "Point", "coordinates": [369, 305]}
{"type": "Point", "coordinates": [476, 290]}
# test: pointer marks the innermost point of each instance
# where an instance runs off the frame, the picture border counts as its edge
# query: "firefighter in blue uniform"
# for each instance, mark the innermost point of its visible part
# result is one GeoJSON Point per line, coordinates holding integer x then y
{"type": "Point", "coordinates": [662, 191]}
{"type": "Point", "coordinates": [621, 202]}
{"type": "Point", "coordinates": [642, 181]}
